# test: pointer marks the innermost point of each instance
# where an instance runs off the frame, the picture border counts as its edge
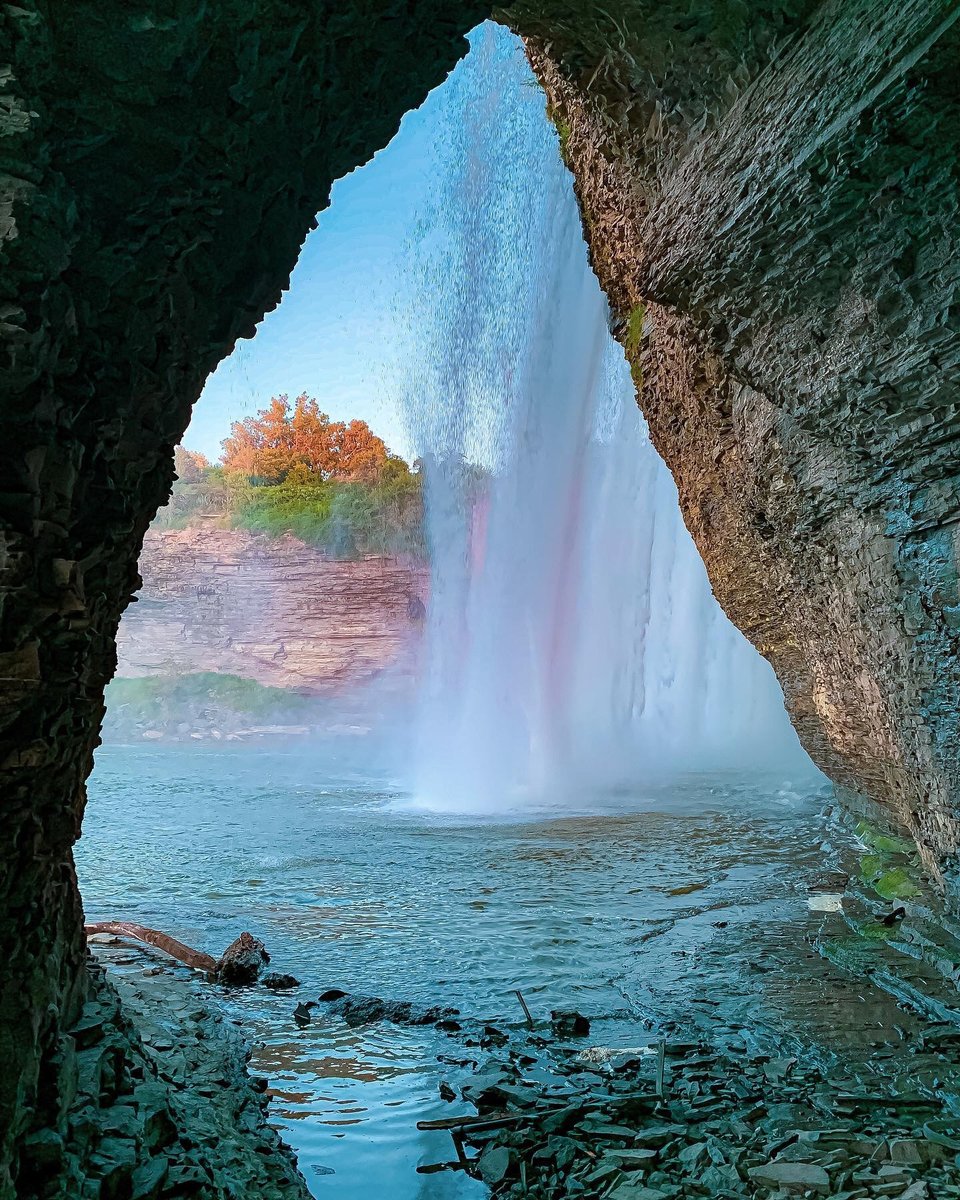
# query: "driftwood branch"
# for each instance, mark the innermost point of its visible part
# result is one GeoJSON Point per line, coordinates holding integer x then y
{"type": "Point", "coordinates": [153, 937]}
{"type": "Point", "coordinates": [240, 964]}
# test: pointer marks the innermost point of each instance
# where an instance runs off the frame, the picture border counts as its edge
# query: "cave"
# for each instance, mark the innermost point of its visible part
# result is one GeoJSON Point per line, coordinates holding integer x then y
{"type": "Point", "coordinates": [769, 196]}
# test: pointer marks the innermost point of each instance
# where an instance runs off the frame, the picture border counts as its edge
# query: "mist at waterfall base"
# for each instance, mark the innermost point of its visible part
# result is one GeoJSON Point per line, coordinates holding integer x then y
{"type": "Point", "coordinates": [573, 642]}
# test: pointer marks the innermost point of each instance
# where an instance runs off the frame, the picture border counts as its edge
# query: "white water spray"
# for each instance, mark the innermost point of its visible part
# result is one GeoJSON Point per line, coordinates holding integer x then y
{"type": "Point", "coordinates": [573, 640]}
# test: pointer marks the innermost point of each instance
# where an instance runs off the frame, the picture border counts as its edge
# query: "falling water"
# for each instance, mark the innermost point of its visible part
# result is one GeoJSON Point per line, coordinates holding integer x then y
{"type": "Point", "coordinates": [573, 640]}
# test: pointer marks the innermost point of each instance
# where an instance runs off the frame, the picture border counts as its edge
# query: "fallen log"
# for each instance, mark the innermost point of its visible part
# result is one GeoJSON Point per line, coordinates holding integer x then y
{"type": "Point", "coordinates": [241, 962]}
{"type": "Point", "coordinates": [161, 941]}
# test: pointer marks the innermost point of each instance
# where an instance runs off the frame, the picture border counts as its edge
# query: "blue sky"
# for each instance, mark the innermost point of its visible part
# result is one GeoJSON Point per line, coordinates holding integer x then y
{"type": "Point", "coordinates": [341, 328]}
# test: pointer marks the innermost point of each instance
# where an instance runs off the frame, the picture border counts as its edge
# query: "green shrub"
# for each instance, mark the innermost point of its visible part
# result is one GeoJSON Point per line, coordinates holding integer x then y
{"type": "Point", "coordinates": [345, 519]}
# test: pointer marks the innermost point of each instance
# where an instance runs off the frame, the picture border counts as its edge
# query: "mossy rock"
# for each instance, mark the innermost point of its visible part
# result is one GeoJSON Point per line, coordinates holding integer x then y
{"type": "Point", "coordinates": [884, 843]}
{"type": "Point", "coordinates": [895, 884]}
{"type": "Point", "coordinates": [875, 931]}
{"type": "Point", "coordinates": [888, 881]}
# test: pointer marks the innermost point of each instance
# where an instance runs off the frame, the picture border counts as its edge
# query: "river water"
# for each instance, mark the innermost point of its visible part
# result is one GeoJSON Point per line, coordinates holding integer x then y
{"type": "Point", "coordinates": [651, 909]}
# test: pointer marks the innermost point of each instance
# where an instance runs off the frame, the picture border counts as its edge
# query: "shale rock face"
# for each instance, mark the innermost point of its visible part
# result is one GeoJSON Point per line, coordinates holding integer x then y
{"type": "Point", "coordinates": [270, 609]}
{"type": "Point", "coordinates": [770, 197]}
{"type": "Point", "coordinates": [159, 1104]}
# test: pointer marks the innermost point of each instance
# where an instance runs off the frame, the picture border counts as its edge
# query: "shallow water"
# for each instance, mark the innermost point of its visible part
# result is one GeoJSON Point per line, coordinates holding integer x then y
{"type": "Point", "coordinates": [673, 903]}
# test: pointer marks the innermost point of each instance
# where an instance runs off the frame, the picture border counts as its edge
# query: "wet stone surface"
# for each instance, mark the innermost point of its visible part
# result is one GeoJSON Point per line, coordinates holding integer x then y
{"type": "Point", "coordinates": [159, 1103]}
{"type": "Point", "coordinates": [690, 1119]}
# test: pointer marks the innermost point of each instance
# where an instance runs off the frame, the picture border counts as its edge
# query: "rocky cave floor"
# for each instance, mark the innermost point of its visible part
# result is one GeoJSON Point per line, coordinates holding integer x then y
{"type": "Point", "coordinates": [739, 1097]}
{"type": "Point", "coordinates": [695, 1118]}
{"type": "Point", "coordinates": [733, 1098]}
{"type": "Point", "coordinates": [161, 1104]}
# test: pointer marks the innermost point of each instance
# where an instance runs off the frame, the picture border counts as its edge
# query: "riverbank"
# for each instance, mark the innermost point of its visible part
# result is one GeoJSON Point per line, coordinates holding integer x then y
{"type": "Point", "coordinates": [210, 707]}
{"type": "Point", "coordinates": [159, 1101]}
{"type": "Point", "coordinates": [667, 1120]}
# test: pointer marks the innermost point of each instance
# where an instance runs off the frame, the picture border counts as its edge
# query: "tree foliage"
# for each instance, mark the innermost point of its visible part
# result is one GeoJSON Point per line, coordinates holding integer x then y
{"type": "Point", "coordinates": [190, 464]}
{"type": "Point", "coordinates": [290, 469]}
{"type": "Point", "coordinates": [347, 520]}
{"type": "Point", "coordinates": [282, 439]}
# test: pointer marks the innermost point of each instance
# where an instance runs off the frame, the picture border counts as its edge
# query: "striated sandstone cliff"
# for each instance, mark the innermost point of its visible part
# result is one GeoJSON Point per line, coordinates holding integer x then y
{"type": "Point", "coordinates": [270, 609]}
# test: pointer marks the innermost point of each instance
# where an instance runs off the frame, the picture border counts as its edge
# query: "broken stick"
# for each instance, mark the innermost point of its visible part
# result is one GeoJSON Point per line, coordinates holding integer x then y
{"type": "Point", "coordinates": [523, 1005]}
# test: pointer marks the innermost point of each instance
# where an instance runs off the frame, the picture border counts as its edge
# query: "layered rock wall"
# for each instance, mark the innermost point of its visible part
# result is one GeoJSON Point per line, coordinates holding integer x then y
{"type": "Point", "coordinates": [270, 609]}
{"type": "Point", "coordinates": [155, 1098]}
{"type": "Point", "coordinates": [778, 240]}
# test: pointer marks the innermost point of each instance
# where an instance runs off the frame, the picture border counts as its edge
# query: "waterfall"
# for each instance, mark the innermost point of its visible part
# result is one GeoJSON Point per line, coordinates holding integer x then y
{"type": "Point", "coordinates": [572, 637]}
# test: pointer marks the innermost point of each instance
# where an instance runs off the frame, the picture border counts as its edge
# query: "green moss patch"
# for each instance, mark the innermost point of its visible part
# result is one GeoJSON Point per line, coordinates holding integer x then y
{"type": "Point", "coordinates": [635, 329]}
{"type": "Point", "coordinates": [884, 843]}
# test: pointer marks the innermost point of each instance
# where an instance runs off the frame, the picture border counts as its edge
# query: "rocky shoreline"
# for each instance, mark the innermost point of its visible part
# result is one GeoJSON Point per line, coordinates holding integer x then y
{"type": "Point", "coordinates": [725, 1104]}
{"type": "Point", "coordinates": [727, 1114]}
{"type": "Point", "coordinates": [723, 1101]}
{"type": "Point", "coordinates": [158, 1102]}
{"type": "Point", "coordinates": [675, 1119]}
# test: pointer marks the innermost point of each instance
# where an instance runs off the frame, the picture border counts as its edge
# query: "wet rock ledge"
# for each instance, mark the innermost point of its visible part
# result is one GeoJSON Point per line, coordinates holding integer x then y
{"type": "Point", "coordinates": [155, 1100]}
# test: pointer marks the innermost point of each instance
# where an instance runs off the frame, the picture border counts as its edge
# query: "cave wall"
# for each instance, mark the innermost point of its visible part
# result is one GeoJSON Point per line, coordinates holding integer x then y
{"type": "Point", "coordinates": [160, 165]}
{"type": "Point", "coordinates": [770, 199]}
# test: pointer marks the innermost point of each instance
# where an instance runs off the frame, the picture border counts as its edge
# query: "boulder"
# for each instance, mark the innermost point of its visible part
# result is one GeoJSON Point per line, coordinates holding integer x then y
{"type": "Point", "coordinates": [365, 1010]}
{"type": "Point", "coordinates": [569, 1023]}
{"type": "Point", "coordinates": [242, 961]}
{"type": "Point", "coordinates": [278, 982]}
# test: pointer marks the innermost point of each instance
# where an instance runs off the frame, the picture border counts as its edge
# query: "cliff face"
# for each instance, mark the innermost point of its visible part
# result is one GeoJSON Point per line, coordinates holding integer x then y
{"type": "Point", "coordinates": [270, 609]}
{"type": "Point", "coordinates": [780, 253]}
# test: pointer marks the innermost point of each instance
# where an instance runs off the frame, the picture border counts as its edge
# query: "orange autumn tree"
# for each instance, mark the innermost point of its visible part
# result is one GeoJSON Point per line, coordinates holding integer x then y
{"type": "Point", "coordinates": [262, 445]}
{"type": "Point", "coordinates": [279, 438]}
{"type": "Point", "coordinates": [189, 464]}
{"type": "Point", "coordinates": [360, 454]}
